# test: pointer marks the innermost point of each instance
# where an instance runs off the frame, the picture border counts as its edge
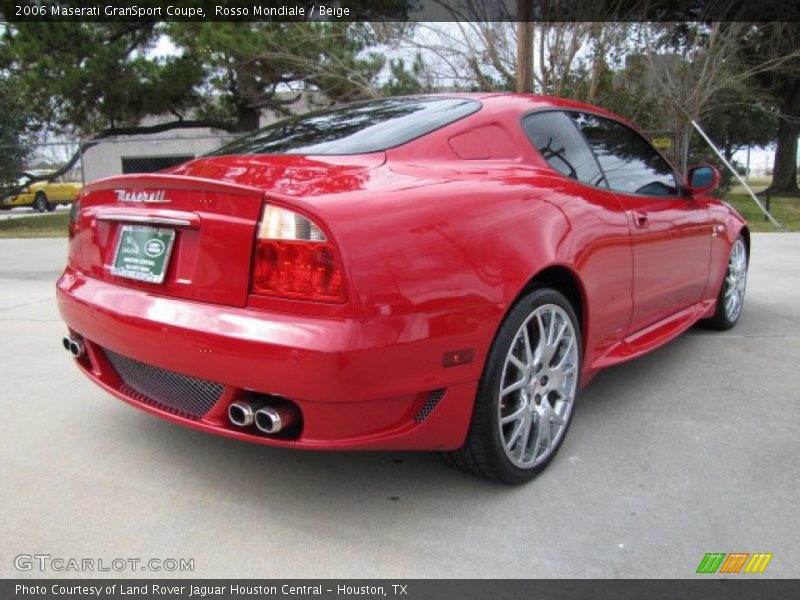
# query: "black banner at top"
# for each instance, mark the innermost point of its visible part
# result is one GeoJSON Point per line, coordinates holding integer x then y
{"type": "Point", "coordinates": [400, 10]}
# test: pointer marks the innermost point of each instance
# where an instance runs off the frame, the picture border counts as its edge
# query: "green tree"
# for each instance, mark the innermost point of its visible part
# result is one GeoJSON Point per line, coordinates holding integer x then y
{"type": "Point", "coordinates": [249, 67]}
{"type": "Point", "coordinates": [778, 44]}
{"type": "Point", "coordinates": [735, 119]}
{"type": "Point", "coordinates": [92, 77]}
{"type": "Point", "coordinates": [738, 118]}
{"type": "Point", "coordinates": [97, 80]}
{"type": "Point", "coordinates": [403, 80]}
{"type": "Point", "coordinates": [15, 142]}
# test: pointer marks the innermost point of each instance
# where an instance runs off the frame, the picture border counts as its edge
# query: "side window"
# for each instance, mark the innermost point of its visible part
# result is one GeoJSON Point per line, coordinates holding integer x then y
{"type": "Point", "coordinates": [560, 144]}
{"type": "Point", "coordinates": [629, 162]}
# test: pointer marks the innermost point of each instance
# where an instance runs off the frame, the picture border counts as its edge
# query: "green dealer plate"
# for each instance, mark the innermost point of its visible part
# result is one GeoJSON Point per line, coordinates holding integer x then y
{"type": "Point", "coordinates": [143, 253]}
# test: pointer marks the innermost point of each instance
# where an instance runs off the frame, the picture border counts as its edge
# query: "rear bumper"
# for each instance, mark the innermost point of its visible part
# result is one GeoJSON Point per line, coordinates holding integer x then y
{"type": "Point", "coordinates": [359, 383]}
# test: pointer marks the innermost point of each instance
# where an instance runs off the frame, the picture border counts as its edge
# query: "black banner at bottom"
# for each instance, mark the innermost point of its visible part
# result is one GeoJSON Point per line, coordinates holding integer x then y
{"type": "Point", "coordinates": [405, 589]}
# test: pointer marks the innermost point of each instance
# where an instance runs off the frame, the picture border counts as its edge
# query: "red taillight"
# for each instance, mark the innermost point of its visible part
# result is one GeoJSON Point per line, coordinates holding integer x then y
{"type": "Point", "coordinates": [294, 259]}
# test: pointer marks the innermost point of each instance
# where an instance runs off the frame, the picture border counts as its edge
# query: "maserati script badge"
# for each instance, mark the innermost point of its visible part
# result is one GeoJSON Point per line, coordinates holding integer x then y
{"type": "Point", "coordinates": [155, 196]}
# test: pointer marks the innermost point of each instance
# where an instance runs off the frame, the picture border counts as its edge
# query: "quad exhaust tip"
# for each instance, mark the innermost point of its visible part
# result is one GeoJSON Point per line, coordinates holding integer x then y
{"type": "Point", "coordinates": [241, 414]}
{"type": "Point", "coordinates": [73, 345]}
{"type": "Point", "coordinates": [268, 418]}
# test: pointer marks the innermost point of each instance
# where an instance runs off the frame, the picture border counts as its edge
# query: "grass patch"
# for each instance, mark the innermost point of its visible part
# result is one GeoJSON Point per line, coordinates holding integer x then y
{"type": "Point", "coordinates": [785, 210]}
{"type": "Point", "coordinates": [45, 226]}
{"type": "Point", "coordinates": [757, 185]}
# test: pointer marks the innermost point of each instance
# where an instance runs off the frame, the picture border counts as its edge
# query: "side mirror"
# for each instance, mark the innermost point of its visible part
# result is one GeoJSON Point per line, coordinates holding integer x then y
{"type": "Point", "coordinates": [702, 179]}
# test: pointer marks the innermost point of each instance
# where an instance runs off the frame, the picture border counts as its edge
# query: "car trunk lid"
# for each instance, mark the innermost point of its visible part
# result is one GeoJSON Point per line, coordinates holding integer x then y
{"type": "Point", "coordinates": [195, 234]}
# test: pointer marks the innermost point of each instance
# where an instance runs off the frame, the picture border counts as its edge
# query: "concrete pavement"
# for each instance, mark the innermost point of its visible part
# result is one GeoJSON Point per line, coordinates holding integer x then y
{"type": "Point", "coordinates": [691, 449]}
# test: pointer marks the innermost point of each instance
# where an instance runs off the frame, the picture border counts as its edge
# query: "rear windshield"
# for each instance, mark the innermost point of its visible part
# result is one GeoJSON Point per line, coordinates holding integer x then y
{"type": "Point", "coordinates": [354, 128]}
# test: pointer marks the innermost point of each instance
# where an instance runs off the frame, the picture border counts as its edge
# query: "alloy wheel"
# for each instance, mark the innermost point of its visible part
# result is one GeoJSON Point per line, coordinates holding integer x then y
{"type": "Point", "coordinates": [538, 386]}
{"type": "Point", "coordinates": [735, 280]}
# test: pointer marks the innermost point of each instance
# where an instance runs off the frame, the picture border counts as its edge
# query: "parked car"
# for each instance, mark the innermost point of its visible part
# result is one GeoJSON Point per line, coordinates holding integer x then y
{"type": "Point", "coordinates": [44, 195]}
{"type": "Point", "coordinates": [418, 273]}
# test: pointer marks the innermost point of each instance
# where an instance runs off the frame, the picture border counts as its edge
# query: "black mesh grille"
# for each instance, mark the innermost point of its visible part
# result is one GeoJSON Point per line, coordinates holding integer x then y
{"type": "Point", "coordinates": [180, 394]}
{"type": "Point", "coordinates": [430, 404]}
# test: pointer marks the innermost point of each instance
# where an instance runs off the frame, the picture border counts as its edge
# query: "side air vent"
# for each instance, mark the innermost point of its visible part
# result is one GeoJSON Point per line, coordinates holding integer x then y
{"type": "Point", "coordinates": [433, 399]}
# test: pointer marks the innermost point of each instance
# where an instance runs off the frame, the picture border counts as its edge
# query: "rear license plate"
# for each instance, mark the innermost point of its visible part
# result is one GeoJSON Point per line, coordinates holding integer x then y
{"type": "Point", "coordinates": [143, 253]}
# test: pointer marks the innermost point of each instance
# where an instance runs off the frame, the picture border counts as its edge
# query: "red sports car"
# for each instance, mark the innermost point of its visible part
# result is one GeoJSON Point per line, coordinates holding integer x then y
{"type": "Point", "coordinates": [439, 272]}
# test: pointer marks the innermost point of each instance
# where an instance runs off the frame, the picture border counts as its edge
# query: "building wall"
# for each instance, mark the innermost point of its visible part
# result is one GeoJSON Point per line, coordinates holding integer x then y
{"type": "Point", "coordinates": [105, 159]}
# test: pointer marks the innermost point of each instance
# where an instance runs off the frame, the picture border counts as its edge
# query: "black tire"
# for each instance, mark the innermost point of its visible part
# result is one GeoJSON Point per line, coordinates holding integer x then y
{"type": "Point", "coordinates": [40, 203]}
{"type": "Point", "coordinates": [724, 318]}
{"type": "Point", "coordinates": [484, 451]}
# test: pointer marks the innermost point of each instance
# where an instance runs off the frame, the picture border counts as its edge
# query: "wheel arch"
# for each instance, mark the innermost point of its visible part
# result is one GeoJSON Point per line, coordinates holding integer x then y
{"type": "Point", "coordinates": [562, 279]}
{"type": "Point", "coordinates": [745, 233]}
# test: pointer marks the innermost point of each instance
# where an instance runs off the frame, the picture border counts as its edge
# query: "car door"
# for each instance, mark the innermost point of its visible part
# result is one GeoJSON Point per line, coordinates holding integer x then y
{"type": "Point", "coordinates": [600, 235]}
{"type": "Point", "coordinates": [670, 230]}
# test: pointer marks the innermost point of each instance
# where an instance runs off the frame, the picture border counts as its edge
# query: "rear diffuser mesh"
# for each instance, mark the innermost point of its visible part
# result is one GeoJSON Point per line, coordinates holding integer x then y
{"type": "Point", "coordinates": [179, 394]}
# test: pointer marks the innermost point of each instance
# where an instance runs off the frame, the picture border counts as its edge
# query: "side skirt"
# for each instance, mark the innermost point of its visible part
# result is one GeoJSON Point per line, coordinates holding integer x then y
{"type": "Point", "coordinates": [653, 336]}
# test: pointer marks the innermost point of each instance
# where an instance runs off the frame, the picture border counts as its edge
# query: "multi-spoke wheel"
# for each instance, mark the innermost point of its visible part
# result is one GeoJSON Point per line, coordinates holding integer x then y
{"type": "Point", "coordinates": [731, 296]}
{"type": "Point", "coordinates": [527, 393]}
{"type": "Point", "coordinates": [538, 386]}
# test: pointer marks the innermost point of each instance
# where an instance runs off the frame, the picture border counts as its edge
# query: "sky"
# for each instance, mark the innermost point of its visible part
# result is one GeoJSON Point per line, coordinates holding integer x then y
{"type": "Point", "coordinates": [761, 160]}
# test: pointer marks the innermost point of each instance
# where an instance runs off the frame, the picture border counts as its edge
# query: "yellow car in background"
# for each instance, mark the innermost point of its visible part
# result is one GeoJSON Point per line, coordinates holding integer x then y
{"type": "Point", "coordinates": [44, 195]}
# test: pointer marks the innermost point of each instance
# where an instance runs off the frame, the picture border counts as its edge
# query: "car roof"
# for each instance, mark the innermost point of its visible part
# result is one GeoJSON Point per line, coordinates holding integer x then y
{"type": "Point", "coordinates": [501, 101]}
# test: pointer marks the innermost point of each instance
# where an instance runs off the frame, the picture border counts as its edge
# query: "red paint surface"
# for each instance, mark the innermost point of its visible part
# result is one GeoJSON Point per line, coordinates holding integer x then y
{"type": "Point", "coordinates": [437, 239]}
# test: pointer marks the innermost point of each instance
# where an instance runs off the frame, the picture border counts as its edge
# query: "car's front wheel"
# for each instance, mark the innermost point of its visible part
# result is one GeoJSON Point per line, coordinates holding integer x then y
{"type": "Point", "coordinates": [526, 395]}
{"type": "Point", "coordinates": [731, 297]}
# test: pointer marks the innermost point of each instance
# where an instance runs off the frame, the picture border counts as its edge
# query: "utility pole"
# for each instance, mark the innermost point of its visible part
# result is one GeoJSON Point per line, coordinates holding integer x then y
{"type": "Point", "coordinates": [524, 47]}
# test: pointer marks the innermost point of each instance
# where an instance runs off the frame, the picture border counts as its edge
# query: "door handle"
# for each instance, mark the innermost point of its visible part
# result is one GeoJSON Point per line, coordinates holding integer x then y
{"type": "Point", "coordinates": [639, 218]}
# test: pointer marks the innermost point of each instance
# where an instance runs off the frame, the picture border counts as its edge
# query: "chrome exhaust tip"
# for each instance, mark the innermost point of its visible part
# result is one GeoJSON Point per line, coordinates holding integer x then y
{"type": "Point", "coordinates": [73, 345]}
{"type": "Point", "coordinates": [273, 419]}
{"type": "Point", "coordinates": [76, 348]}
{"type": "Point", "coordinates": [241, 414]}
{"type": "Point", "coordinates": [268, 420]}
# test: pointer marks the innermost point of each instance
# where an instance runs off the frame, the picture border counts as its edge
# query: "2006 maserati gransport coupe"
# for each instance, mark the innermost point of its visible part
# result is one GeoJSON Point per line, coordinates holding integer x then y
{"type": "Point", "coordinates": [438, 272]}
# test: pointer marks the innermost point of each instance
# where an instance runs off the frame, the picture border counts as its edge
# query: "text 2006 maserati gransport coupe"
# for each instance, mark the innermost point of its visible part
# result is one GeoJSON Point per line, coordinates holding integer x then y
{"type": "Point", "coordinates": [428, 273]}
